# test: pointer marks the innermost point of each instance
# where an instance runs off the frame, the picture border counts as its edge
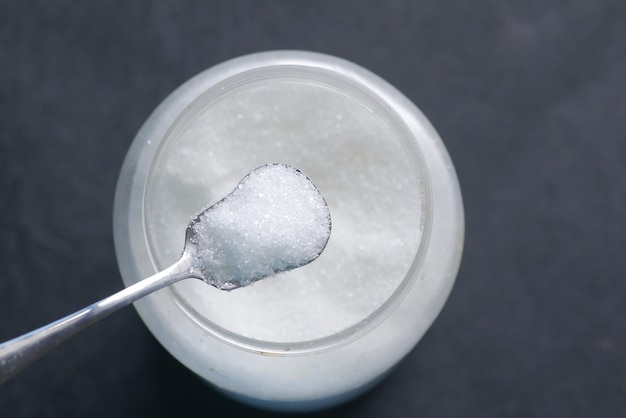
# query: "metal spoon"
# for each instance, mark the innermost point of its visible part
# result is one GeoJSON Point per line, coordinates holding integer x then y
{"type": "Point", "coordinates": [19, 352]}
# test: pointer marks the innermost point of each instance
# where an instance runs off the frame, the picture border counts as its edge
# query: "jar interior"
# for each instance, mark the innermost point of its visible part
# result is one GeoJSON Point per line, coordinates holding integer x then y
{"type": "Point", "coordinates": [359, 155]}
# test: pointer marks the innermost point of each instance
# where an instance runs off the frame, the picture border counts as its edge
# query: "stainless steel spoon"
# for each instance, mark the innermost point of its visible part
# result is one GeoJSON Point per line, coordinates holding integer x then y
{"type": "Point", "coordinates": [19, 352]}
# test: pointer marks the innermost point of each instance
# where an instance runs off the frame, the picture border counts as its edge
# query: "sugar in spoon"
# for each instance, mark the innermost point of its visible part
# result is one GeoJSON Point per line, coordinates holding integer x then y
{"type": "Point", "coordinates": [275, 220]}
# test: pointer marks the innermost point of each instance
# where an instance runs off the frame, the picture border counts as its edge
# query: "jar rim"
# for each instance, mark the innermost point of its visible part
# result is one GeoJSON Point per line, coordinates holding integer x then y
{"type": "Point", "coordinates": [342, 74]}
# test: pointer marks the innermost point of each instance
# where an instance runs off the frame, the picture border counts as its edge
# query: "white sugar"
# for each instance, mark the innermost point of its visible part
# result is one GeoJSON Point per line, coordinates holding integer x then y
{"type": "Point", "coordinates": [275, 220]}
{"type": "Point", "coordinates": [355, 160]}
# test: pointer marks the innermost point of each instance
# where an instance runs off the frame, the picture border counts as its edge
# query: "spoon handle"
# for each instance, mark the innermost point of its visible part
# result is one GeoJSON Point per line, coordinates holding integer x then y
{"type": "Point", "coordinates": [19, 352]}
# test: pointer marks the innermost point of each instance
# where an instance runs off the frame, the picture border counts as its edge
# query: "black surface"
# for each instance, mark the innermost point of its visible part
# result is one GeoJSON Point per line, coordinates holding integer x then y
{"type": "Point", "coordinates": [529, 96]}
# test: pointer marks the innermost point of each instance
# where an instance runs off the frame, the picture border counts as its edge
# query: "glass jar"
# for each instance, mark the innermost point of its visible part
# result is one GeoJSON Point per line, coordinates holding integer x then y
{"type": "Point", "coordinates": [324, 333]}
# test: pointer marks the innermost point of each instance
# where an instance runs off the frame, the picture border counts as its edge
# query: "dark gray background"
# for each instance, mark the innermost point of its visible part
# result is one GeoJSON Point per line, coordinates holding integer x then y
{"type": "Point", "coordinates": [529, 97]}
